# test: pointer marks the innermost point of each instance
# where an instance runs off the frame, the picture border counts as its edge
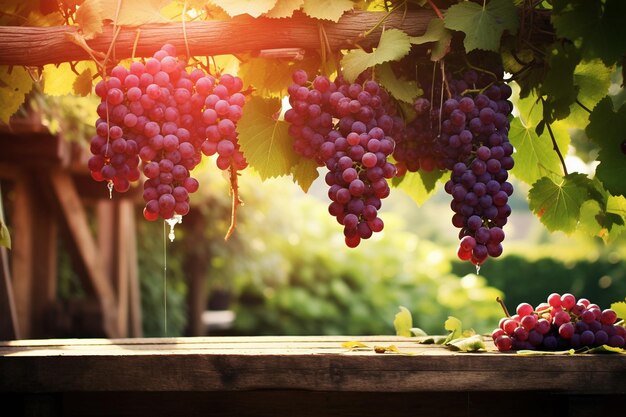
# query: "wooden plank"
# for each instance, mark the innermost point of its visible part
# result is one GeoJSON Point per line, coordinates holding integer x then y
{"type": "Point", "coordinates": [22, 251]}
{"type": "Point", "coordinates": [304, 363]}
{"type": "Point", "coordinates": [9, 328]}
{"type": "Point", "coordinates": [134, 293]}
{"type": "Point", "coordinates": [76, 219]}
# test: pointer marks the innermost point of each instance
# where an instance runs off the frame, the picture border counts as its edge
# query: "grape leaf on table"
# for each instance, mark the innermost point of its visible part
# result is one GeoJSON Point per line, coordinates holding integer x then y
{"type": "Point", "coordinates": [393, 45]}
{"type": "Point", "coordinates": [327, 9]}
{"type": "Point", "coordinates": [403, 322]}
{"type": "Point", "coordinates": [284, 8]}
{"type": "Point", "coordinates": [558, 204]}
{"type": "Point", "coordinates": [15, 83]}
{"type": "Point", "coordinates": [483, 25]}
{"type": "Point", "coordinates": [264, 139]}
{"type": "Point", "coordinates": [606, 128]}
{"type": "Point", "coordinates": [437, 33]}
{"type": "Point", "coordinates": [254, 8]}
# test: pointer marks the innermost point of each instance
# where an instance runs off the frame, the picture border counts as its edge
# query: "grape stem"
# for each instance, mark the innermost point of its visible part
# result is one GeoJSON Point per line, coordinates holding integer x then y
{"type": "Point", "coordinates": [585, 108]}
{"type": "Point", "coordinates": [435, 9]}
{"type": "Point", "coordinates": [555, 146]}
{"type": "Point", "coordinates": [234, 188]}
{"type": "Point", "coordinates": [501, 302]}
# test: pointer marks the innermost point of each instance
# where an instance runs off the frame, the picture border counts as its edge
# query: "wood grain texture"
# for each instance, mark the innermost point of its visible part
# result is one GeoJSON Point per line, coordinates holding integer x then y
{"type": "Point", "coordinates": [295, 363]}
{"type": "Point", "coordinates": [36, 46]}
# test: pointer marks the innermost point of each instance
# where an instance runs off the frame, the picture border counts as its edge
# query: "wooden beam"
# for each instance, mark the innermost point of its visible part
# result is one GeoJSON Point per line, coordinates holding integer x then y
{"type": "Point", "coordinates": [134, 293]}
{"type": "Point", "coordinates": [22, 251]}
{"type": "Point", "coordinates": [9, 328]}
{"type": "Point", "coordinates": [76, 219]}
{"type": "Point", "coordinates": [36, 46]}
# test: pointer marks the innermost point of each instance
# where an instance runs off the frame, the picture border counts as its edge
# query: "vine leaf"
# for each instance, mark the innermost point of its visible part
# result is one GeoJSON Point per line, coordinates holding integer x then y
{"type": "Point", "coordinates": [403, 322]}
{"type": "Point", "coordinates": [5, 237]}
{"type": "Point", "coordinates": [284, 8]}
{"type": "Point", "coordinates": [558, 205]}
{"type": "Point", "coordinates": [327, 9]}
{"type": "Point", "coordinates": [15, 83]}
{"type": "Point", "coordinates": [606, 128]}
{"type": "Point", "coordinates": [455, 327]}
{"type": "Point", "coordinates": [254, 8]}
{"type": "Point", "coordinates": [535, 156]}
{"type": "Point", "coordinates": [393, 45]}
{"type": "Point", "coordinates": [595, 27]}
{"type": "Point", "coordinates": [91, 14]}
{"type": "Point", "coordinates": [558, 84]}
{"type": "Point", "coordinates": [483, 25]}
{"type": "Point", "coordinates": [61, 80]}
{"type": "Point", "coordinates": [304, 173]}
{"type": "Point", "coordinates": [264, 139]}
{"type": "Point", "coordinates": [473, 343]}
{"type": "Point", "coordinates": [420, 186]}
{"type": "Point", "coordinates": [270, 77]}
{"type": "Point", "coordinates": [89, 17]}
{"type": "Point", "coordinates": [593, 79]}
{"type": "Point", "coordinates": [437, 33]}
{"type": "Point", "coordinates": [400, 88]}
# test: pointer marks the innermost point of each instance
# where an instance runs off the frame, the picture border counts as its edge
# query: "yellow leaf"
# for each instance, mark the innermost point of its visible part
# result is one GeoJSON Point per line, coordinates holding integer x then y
{"type": "Point", "coordinates": [60, 80]}
{"type": "Point", "coordinates": [254, 8]}
{"type": "Point", "coordinates": [304, 173]}
{"type": "Point", "coordinates": [403, 322]}
{"type": "Point", "coordinates": [354, 345]}
{"type": "Point", "coordinates": [284, 8]}
{"type": "Point", "coordinates": [15, 83]}
{"type": "Point", "coordinates": [327, 9]}
{"type": "Point", "coordinates": [89, 17]}
{"type": "Point", "coordinates": [83, 83]}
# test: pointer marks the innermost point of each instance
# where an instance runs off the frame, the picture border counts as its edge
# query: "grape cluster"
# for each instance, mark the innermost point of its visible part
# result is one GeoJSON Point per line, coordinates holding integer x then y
{"type": "Point", "coordinates": [349, 128]}
{"type": "Point", "coordinates": [561, 323]}
{"type": "Point", "coordinates": [160, 116]}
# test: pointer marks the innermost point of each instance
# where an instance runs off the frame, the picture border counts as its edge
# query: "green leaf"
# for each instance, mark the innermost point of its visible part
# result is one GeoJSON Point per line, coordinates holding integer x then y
{"type": "Point", "coordinates": [558, 84]}
{"type": "Point", "coordinates": [590, 211]}
{"type": "Point", "coordinates": [254, 8]}
{"type": "Point", "coordinates": [403, 322]}
{"type": "Point", "coordinates": [528, 352]}
{"type": "Point", "coordinates": [394, 44]}
{"type": "Point", "coordinates": [327, 9]}
{"type": "Point", "coordinates": [483, 25]}
{"type": "Point", "coordinates": [420, 186]}
{"type": "Point", "coordinates": [606, 349]}
{"type": "Point", "coordinates": [417, 332]}
{"type": "Point", "coordinates": [435, 32]}
{"type": "Point", "coordinates": [264, 139]}
{"type": "Point", "coordinates": [606, 128]}
{"type": "Point", "coordinates": [15, 83]}
{"type": "Point", "coordinates": [595, 27]}
{"type": "Point", "coordinates": [593, 79]}
{"type": "Point", "coordinates": [535, 156]}
{"type": "Point", "coordinates": [399, 88]}
{"type": "Point", "coordinates": [455, 327]}
{"type": "Point", "coordinates": [284, 8]}
{"type": "Point", "coordinates": [304, 173]}
{"type": "Point", "coordinates": [473, 343]}
{"type": "Point", "coordinates": [558, 205]}
{"type": "Point", "coordinates": [270, 77]}
{"type": "Point", "coordinates": [5, 237]}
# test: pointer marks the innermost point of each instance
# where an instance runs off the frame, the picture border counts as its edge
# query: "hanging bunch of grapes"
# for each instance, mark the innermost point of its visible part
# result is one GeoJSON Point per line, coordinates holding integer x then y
{"type": "Point", "coordinates": [349, 128]}
{"type": "Point", "coordinates": [158, 118]}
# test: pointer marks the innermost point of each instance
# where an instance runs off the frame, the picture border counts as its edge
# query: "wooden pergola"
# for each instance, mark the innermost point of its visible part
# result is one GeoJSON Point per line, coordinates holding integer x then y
{"type": "Point", "coordinates": [51, 195]}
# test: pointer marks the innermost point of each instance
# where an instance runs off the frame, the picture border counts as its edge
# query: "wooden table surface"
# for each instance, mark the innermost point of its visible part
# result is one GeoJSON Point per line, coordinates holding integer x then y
{"type": "Point", "coordinates": [315, 363]}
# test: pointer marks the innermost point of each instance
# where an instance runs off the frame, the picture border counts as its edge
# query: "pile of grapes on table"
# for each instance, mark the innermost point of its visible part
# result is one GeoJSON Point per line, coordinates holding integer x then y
{"type": "Point", "coordinates": [561, 323]}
